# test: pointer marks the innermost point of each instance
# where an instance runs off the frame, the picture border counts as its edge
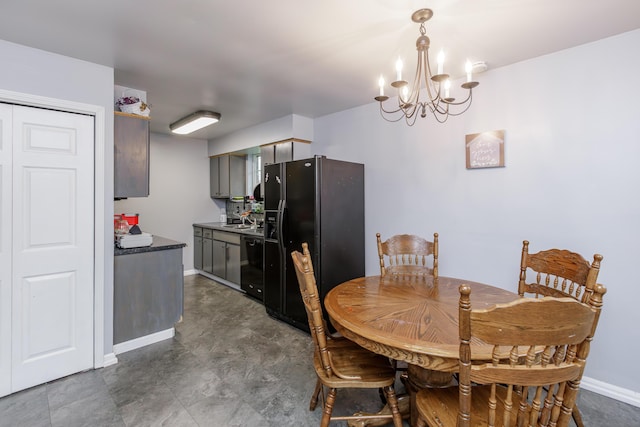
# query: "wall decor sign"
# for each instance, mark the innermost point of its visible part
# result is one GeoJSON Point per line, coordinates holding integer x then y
{"type": "Point", "coordinates": [485, 149]}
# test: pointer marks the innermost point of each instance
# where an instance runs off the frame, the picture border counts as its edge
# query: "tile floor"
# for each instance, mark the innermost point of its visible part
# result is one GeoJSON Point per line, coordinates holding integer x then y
{"type": "Point", "coordinates": [229, 365]}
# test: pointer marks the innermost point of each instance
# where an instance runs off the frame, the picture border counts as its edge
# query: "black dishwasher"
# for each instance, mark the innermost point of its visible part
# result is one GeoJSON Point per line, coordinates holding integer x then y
{"type": "Point", "coordinates": [251, 266]}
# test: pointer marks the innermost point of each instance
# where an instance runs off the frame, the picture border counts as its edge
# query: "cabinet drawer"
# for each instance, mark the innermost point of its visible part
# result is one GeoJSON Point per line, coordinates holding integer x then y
{"type": "Point", "coordinates": [232, 238]}
{"type": "Point", "coordinates": [197, 231]}
{"type": "Point", "coordinates": [207, 233]}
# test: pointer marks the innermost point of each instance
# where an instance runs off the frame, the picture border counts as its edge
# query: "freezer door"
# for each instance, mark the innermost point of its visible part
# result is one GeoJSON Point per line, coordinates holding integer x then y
{"type": "Point", "coordinates": [273, 186]}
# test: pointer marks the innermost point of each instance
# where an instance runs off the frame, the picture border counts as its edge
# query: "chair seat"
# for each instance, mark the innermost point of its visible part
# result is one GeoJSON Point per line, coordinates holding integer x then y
{"type": "Point", "coordinates": [354, 366]}
{"type": "Point", "coordinates": [435, 404]}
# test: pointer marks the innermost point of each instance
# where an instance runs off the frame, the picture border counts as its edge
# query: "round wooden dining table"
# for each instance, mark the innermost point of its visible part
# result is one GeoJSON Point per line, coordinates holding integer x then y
{"type": "Point", "coordinates": [411, 319]}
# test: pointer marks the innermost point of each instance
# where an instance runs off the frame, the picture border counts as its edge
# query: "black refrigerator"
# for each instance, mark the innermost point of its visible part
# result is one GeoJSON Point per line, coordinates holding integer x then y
{"type": "Point", "coordinates": [319, 201]}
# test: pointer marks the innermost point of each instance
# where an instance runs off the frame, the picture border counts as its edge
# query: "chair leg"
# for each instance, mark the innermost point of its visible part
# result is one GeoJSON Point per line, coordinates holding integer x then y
{"type": "Point", "coordinates": [314, 398]}
{"type": "Point", "coordinates": [577, 416]}
{"type": "Point", "coordinates": [393, 406]}
{"type": "Point", "coordinates": [328, 408]}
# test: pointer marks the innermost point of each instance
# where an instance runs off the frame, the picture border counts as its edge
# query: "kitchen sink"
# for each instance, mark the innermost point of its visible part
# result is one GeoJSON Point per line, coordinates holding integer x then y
{"type": "Point", "coordinates": [237, 226]}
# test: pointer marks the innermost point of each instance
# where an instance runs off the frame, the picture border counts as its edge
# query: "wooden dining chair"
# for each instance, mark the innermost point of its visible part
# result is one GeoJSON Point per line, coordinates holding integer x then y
{"type": "Point", "coordinates": [536, 351]}
{"type": "Point", "coordinates": [340, 363]}
{"type": "Point", "coordinates": [559, 273]}
{"type": "Point", "coordinates": [407, 254]}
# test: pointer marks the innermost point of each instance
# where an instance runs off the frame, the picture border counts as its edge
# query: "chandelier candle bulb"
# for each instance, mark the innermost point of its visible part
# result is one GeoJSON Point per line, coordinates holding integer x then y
{"type": "Point", "coordinates": [441, 62]}
{"type": "Point", "coordinates": [381, 84]}
{"type": "Point", "coordinates": [468, 68]}
{"type": "Point", "coordinates": [447, 86]}
{"type": "Point", "coordinates": [399, 69]}
{"type": "Point", "coordinates": [405, 93]}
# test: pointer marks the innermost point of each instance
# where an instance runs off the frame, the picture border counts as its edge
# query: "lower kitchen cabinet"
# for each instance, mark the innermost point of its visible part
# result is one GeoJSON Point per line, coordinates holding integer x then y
{"type": "Point", "coordinates": [233, 263]}
{"type": "Point", "coordinates": [197, 248]}
{"type": "Point", "coordinates": [148, 289]}
{"type": "Point", "coordinates": [207, 251]}
{"type": "Point", "coordinates": [219, 259]}
{"type": "Point", "coordinates": [226, 256]}
{"type": "Point", "coordinates": [217, 253]}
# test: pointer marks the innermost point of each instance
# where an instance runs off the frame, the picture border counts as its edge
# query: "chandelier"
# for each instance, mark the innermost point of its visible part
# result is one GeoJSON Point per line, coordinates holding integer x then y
{"type": "Point", "coordinates": [428, 91]}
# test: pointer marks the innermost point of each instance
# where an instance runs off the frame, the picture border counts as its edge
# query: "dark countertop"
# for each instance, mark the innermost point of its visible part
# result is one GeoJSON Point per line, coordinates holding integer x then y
{"type": "Point", "coordinates": [159, 244]}
{"type": "Point", "coordinates": [231, 228]}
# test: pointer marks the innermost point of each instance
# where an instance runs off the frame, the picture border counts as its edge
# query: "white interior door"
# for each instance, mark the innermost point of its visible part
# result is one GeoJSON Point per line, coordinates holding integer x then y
{"type": "Point", "coordinates": [52, 245]}
{"type": "Point", "coordinates": [5, 249]}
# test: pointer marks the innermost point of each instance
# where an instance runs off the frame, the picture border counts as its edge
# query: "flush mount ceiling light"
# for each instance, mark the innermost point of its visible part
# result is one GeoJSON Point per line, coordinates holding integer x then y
{"type": "Point", "coordinates": [194, 122]}
{"type": "Point", "coordinates": [435, 88]}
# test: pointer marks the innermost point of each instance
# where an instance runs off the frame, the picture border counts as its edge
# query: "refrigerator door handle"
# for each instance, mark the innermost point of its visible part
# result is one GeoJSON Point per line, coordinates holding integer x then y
{"type": "Point", "coordinates": [282, 205]}
{"type": "Point", "coordinates": [279, 221]}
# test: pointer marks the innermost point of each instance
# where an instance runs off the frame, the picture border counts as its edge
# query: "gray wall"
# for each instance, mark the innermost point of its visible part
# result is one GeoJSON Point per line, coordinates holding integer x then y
{"type": "Point", "coordinates": [36, 72]}
{"type": "Point", "coordinates": [572, 150]}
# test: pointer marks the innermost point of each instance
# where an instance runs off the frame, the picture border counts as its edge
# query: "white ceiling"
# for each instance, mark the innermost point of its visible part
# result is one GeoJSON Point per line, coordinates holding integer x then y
{"type": "Point", "coordinates": [254, 61]}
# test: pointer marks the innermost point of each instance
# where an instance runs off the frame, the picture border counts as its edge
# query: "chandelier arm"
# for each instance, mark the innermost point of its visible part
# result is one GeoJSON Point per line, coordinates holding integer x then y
{"type": "Point", "coordinates": [406, 111]}
{"type": "Point", "coordinates": [411, 111]}
{"type": "Point", "coordinates": [409, 121]}
{"type": "Point", "coordinates": [390, 111]}
{"type": "Point", "coordinates": [430, 85]}
{"type": "Point", "coordinates": [398, 110]}
{"type": "Point", "coordinates": [392, 120]}
{"type": "Point", "coordinates": [461, 112]}
{"type": "Point", "coordinates": [467, 99]}
{"type": "Point", "coordinates": [415, 90]}
{"type": "Point", "coordinates": [440, 113]}
{"type": "Point", "coordinates": [440, 107]}
{"type": "Point", "coordinates": [441, 117]}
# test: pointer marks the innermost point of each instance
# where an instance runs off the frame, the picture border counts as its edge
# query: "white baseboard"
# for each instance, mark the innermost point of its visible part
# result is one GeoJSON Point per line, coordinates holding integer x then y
{"type": "Point", "coordinates": [190, 272]}
{"type": "Point", "coordinates": [109, 359]}
{"type": "Point", "coordinates": [123, 347]}
{"type": "Point", "coordinates": [618, 393]}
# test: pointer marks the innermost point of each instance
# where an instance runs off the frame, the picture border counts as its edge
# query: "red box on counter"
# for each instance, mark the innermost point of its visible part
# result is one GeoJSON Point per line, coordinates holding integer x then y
{"type": "Point", "coordinates": [132, 219]}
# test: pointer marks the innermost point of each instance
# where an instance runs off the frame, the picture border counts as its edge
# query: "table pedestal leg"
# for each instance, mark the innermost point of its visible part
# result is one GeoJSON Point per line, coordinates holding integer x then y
{"type": "Point", "coordinates": [419, 378]}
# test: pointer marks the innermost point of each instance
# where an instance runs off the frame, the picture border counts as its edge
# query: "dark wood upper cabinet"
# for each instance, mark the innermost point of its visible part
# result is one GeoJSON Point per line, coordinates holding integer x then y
{"type": "Point", "coordinates": [131, 155]}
